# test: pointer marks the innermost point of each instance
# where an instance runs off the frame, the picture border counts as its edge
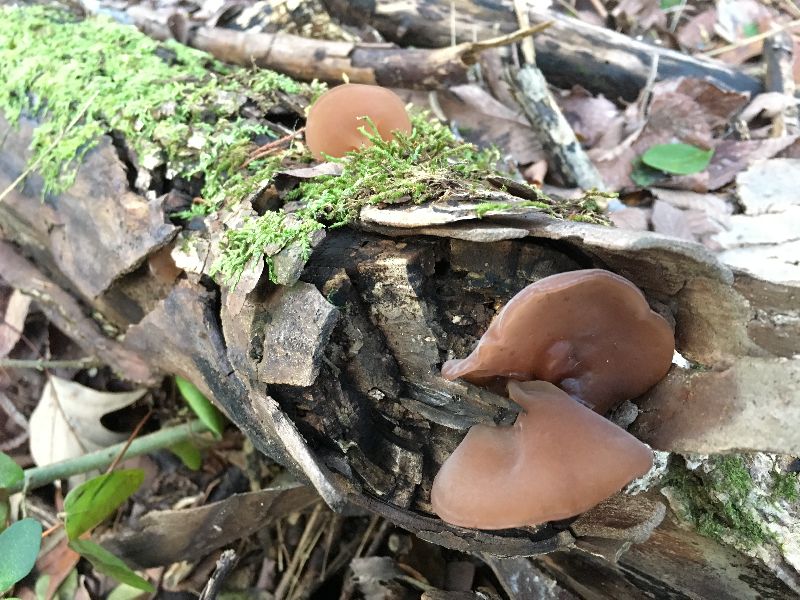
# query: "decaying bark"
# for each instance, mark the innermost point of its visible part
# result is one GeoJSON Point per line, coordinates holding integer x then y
{"type": "Point", "coordinates": [568, 53]}
{"type": "Point", "coordinates": [351, 400]}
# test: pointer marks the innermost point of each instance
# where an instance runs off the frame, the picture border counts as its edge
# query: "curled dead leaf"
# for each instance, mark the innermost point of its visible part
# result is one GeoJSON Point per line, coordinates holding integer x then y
{"type": "Point", "coordinates": [66, 422]}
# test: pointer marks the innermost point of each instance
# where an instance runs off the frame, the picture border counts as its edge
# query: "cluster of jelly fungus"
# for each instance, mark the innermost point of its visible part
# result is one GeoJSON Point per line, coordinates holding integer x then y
{"type": "Point", "coordinates": [335, 120]}
{"type": "Point", "coordinates": [585, 335]}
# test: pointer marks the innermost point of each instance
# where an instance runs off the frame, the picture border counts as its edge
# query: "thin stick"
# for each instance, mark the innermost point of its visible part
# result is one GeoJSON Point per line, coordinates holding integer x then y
{"type": "Point", "coordinates": [266, 149]}
{"type": "Point", "coordinates": [225, 564]}
{"type": "Point", "coordinates": [49, 149]}
{"type": "Point", "coordinates": [752, 39]}
{"type": "Point", "coordinates": [131, 437]}
{"type": "Point", "coordinates": [41, 364]}
{"type": "Point", "coordinates": [164, 438]}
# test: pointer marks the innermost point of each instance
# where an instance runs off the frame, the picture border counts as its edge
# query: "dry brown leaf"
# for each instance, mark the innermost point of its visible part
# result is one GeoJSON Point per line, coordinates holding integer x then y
{"type": "Point", "coordinates": [57, 563]}
{"type": "Point", "coordinates": [13, 322]}
{"type": "Point", "coordinates": [733, 156]}
{"type": "Point", "coordinates": [66, 422]}
{"type": "Point", "coordinates": [644, 14]}
{"type": "Point", "coordinates": [481, 119]}
{"type": "Point", "coordinates": [595, 119]}
{"type": "Point", "coordinates": [698, 32]}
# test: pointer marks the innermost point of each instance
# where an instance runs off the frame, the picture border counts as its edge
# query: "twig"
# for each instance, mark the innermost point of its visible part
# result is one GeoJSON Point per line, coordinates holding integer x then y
{"type": "Point", "coordinates": [131, 437]}
{"type": "Point", "coordinates": [309, 533]}
{"type": "Point", "coordinates": [564, 152]}
{"type": "Point", "coordinates": [752, 39]}
{"type": "Point", "coordinates": [599, 8]}
{"type": "Point", "coordinates": [266, 149]}
{"type": "Point", "coordinates": [225, 564]}
{"type": "Point", "coordinates": [528, 49]}
{"type": "Point", "coordinates": [164, 438]}
{"type": "Point", "coordinates": [42, 364]}
{"type": "Point", "coordinates": [779, 58]}
{"type": "Point", "coordinates": [35, 164]}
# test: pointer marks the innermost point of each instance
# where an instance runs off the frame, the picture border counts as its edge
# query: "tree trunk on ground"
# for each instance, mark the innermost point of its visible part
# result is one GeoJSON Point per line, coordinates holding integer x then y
{"type": "Point", "coordinates": [360, 370]}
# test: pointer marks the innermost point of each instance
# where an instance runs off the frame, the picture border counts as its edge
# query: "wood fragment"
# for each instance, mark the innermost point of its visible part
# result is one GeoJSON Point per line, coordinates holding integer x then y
{"type": "Point", "coordinates": [779, 58]}
{"type": "Point", "coordinates": [331, 61]}
{"type": "Point", "coordinates": [225, 564]}
{"type": "Point", "coordinates": [564, 151]}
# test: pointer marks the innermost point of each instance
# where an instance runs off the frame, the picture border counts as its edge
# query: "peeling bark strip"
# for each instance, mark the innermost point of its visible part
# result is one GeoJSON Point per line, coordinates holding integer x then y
{"type": "Point", "coordinates": [568, 53]}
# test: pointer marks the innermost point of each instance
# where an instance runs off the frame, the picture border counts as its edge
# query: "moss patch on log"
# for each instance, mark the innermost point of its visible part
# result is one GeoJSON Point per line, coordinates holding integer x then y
{"type": "Point", "coordinates": [172, 104]}
{"type": "Point", "coordinates": [717, 502]}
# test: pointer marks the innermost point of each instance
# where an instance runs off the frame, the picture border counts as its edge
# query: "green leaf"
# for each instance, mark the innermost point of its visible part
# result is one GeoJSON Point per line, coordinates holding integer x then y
{"type": "Point", "coordinates": [207, 412]}
{"type": "Point", "coordinates": [188, 453]}
{"type": "Point", "coordinates": [126, 592]}
{"type": "Point", "coordinates": [108, 564]}
{"type": "Point", "coordinates": [667, 4]}
{"type": "Point", "coordinates": [4, 510]}
{"type": "Point", "coordinates": [750, 29]}
{"type": "Point", "coordinates": [66, 591]}
{"type": "Point", "coordinates": [91, 502]}
{"type": "Point", "coordinates": [19, 545]}
{"type": "Point", "coordinates": [10, 472]}
{"type": "Point", "coordinates": [678, 159]}
{"type": "Point", "coordinates": [645, 176]}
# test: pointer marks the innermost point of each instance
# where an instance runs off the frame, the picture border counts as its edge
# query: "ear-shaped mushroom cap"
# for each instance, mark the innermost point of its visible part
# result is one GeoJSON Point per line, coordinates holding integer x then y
{"type": "Point", "coordinates": [558, 460]}
{"type": "Point", "coordinates": [589, 332]}
{"type": "Point", "coordinates": [334, 120]}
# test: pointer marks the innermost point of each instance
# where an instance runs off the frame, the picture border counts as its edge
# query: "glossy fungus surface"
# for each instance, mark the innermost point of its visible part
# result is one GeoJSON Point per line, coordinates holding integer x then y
{"type": "Point", "coordinates": [333, 123]}
{"type": "Point", "coordinates": [558, 460]}
{"type": "Point", "coordinates": [590, 332]}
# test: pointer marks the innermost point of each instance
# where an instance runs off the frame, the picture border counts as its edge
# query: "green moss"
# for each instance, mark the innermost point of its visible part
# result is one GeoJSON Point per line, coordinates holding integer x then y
{"type": "Point", "coordinates": [181, 108]}
{"type": "Point", "coordinates": [717, 500]}
{"type": "Point", "coordinates": [171, 103]}
{"type": "Point", "coordinates": [785, 486]}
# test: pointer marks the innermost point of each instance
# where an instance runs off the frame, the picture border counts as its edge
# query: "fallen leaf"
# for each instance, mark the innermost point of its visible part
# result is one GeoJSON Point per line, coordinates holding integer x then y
{"type": "Point", "coordinates": [644, 14]}
{"type": "Point", "coordinates": [669, 220]}
{"type": "Point", "coordinates": [732, 156]}
{"type": "Point", "coordinates": [698, 32]}
{"type": "Point", "coordinates": [67, 420]}
{"type": "Point", "coordinates": [595, 119]}
{"type": "Point", "coordinates": [680, 159]}
{"type": "Point", "coordinates": [767, 105]}
{"type": "Point", "coordinates": [631, 217]}
{"type": "Point", "coordinates": [57, 565]}
{"type": "Point", "coordinates": [738, 20]}
{"type": "Point", "coordinates": [768, 186]}
{"type": "Point", "coordinates": [13, 321]}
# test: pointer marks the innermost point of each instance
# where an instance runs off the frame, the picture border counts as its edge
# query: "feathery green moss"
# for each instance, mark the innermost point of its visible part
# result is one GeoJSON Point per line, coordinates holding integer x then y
{"type": "Point", "coordinates": [172, 104]}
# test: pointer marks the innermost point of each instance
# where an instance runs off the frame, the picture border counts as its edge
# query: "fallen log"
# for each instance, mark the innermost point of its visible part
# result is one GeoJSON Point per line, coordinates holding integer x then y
{"type": "Point", "coordinates": [329, 61]}
{"type": "Point", "coordinates": [568, 53]}
{"type": "Point", "coordinates": [336, 373]}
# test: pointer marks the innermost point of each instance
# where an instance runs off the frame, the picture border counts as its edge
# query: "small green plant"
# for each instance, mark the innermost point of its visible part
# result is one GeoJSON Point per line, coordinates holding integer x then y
{"type": "Point", "coordinates": [677, 159]}
{"type": "Point", "coordinates": [202, 407]}
{"type": "Point", "coordinates": [19, 546]}
{"type": "Point", "coordinates": [85, 507]}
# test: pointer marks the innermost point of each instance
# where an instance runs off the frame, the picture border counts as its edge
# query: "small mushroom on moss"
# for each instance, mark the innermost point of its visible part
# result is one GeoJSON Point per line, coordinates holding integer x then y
{"type": "Point", "coordinates": [590, 332]}
{"type": "Point", "coordinates": [333, 123]}
{"type": "Point", "coordinates": [558, 460]}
